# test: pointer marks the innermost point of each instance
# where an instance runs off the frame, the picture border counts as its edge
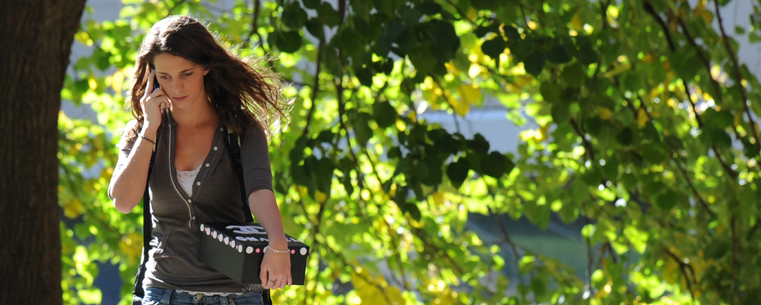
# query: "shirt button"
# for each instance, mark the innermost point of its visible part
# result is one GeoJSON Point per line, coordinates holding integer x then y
{"type": "Point", "coordinates": [194, 218]}
{"type": "Point", "coordinates": [207, 164]}
{"type": "Point", "coordinates": [190, 200]}
{"type": "Point", "coordinates": [215, 148]}
{"type": "Point", "coordinates": [221, 129]}
{"type": "Point", "coordinates": [198, 183]}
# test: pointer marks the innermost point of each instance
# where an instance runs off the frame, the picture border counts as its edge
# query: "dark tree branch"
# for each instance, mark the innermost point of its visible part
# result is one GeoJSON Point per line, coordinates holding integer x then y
{"type": "Point", "coordinates": [703, 59]}
{"type": "Point", "coordinates": [509, 241]}
{"type": "Point", "coordinates": [683, 268]}
{"type": "Point", "coordinates": [255, 24]}
{"type": "Point", "coordinates": [585, 142]}
{"type": "Point", "coordinates": [735, 261]}
{"type": "Point", "coordinates": [463, 15]}
{"type": "Point", "coordinates": [315, 90]}
{"type": "Point", "coordinates": [446, 97]}
{"type": "Point", "coordinates": [651, 10]}
{"type": "Point", "coordinates": [738, 76]}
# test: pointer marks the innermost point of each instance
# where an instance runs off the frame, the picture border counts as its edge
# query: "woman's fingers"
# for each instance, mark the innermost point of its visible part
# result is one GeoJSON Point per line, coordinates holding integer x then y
{"type": "Point", "coordinates": [275, 272]}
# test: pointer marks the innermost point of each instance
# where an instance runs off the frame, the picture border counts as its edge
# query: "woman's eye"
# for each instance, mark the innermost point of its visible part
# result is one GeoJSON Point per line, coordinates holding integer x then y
{"type": "Point", "coordinates": [188, 74]}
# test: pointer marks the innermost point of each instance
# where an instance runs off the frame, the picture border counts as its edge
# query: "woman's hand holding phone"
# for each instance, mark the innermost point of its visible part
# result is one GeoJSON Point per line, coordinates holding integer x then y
{"type": "Point", "coordinates": [154, 102]}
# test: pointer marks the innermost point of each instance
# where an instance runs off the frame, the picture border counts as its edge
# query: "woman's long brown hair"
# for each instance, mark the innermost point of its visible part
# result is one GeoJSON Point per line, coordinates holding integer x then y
{"type": "Point", "coordinates": [243, 91]}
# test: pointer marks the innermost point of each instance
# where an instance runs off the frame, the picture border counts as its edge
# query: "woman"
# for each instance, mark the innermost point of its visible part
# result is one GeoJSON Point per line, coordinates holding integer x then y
{"type": "Point", "coordinates": [203, 91]}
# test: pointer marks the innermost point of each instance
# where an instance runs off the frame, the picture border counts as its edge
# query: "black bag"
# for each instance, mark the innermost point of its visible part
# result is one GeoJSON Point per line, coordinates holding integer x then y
{"type": "Point", "coordinates": [232, 143]}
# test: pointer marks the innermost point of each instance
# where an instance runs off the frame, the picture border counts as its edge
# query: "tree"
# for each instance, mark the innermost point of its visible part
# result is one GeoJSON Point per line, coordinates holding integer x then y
{"type": "Point", "coordinates": [37, 39]}
{"type": "Point", "coordinates": [647, 130]}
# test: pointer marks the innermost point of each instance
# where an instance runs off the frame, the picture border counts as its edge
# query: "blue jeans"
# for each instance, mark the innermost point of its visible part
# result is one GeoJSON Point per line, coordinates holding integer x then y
{"type": "Point", "coordinates": [158, 296]}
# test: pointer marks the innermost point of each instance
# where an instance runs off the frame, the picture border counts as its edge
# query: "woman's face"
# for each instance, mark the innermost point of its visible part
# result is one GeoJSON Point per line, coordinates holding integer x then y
{"type": "Point", "coordinates": [181, 80]}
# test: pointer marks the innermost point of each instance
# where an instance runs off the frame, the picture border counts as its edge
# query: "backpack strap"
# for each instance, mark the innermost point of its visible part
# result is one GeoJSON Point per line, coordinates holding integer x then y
{"type": "Point", "coordinates": [233, 144]}
{"type": "Point", "coordinates": [137, 290]}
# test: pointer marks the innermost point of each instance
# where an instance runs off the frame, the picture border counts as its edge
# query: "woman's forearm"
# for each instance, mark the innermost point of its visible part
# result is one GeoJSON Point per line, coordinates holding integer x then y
{"type": "Point", "coordinates": [130, 176]}
{"type": "Point", "coordinates": [265, 209]}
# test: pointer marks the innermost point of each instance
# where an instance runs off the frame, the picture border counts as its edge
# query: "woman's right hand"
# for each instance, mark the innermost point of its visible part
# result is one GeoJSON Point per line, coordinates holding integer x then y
{"type": "Point", "coordinates": [153, 104]}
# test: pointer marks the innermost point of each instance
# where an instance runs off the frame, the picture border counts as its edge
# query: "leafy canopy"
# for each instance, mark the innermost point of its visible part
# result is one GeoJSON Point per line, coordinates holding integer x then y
{"type": "Point", "coordinates": [647, 130]}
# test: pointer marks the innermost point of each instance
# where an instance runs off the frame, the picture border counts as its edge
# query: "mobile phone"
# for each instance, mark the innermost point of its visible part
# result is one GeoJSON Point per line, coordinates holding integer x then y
{"type": "Point", "coordinates": [155, 79]}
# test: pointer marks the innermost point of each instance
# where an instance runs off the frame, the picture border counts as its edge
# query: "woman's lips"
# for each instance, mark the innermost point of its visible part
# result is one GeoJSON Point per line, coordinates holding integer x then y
{"type": "Point", "coordinates": [179, 99]}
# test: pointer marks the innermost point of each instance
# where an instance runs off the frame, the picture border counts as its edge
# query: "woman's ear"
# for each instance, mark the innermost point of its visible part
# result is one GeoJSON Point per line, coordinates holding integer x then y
{"type": "Point", "coordinates": [205, 71]}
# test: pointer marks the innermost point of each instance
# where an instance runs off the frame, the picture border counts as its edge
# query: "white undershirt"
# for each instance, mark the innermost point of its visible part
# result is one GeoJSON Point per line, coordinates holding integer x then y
{"type": "Point", "coordinates": [186, 178]}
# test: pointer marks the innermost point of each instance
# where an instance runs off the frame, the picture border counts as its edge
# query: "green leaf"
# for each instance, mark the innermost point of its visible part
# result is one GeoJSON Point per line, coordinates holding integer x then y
{"type": "Point", "coordinates": [550, 91]}
{"type": "Point", "coordinates": [384, 114]}
{"type": "Point", "coordinates": [670, 198]}
{"type": "Point", "coordinates": [494, 47]}
{"type": "Point", "coordinates": [328, 15]}
{"type": "Point", "coordinates": [330, 59]}
{"type": "Point", "coordinates": [362, 127]}
{"type": "Point", "coordinates": [573, 75]}
{"type": "Point", "coordinates": [481, 31]}
{"type": "Point", "coordinates": [484, 4]}
{"type": "Point", "coordinates": [497, 165]}
{"type": "Point", "coordinates": [294, 16]}
{"type": "Point", "coordinates": [421, 58]}
{"type": "Point", "coordinates": [625, 137]}
{"type": "Point", "coordinates": [288, 41]}
{"type": "Point", "coordinates": [654, 154]}
{"type": "Point", "coordinates": [587, 56]}
{"type": "Point", "coordinates": [717, 249]}
{"type": "Point", "coordinates": [559, 55]}
{"type": "Point", "coordinates": [312, 4]}
{"type": "Point", "coordinates": [560, 112]}
{"type": "Point", "coordinates": [346, 40]}
{"type": "Point", "coordinates": [413, 210]}
{"type": "Point", "coordinates": [534, 63]}
{"type": "Point", "coordinates": [478, 144]}
{"type": "Point", "coordinates": [315, 28]}
{"type": "Point", "coordinates": [458, 171]}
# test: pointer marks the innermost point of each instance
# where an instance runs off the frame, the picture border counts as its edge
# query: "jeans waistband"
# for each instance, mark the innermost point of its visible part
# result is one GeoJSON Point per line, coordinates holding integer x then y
{"type": "Point", "coordinates": [169, 296]}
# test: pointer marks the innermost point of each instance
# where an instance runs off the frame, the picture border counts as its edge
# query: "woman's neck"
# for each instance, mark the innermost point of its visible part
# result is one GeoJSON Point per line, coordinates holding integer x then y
{"type": "Point", "coordinates": [201, 116]}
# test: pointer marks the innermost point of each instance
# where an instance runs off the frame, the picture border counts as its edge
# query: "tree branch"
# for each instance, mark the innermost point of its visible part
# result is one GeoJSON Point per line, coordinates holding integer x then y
{"type": "Point", "coordinates": [509, 241]}
{"type": "Point", "coordinates": [651, 10]}
{"type": "Point", "coordinates": [738, 76]}
{"type": "Point", "coordinates": [255, 24]}
{"type": "Point", "coordinates": [585, 142]}
{"type": "Point", "coordinates": [683, 268]}
{"type": "Point", "coordinates": [735, 242]}
{"type": "Point", "coordinates": [315, 90]}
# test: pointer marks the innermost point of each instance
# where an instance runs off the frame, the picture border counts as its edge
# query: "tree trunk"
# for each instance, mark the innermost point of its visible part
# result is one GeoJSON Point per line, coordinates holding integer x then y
{"type": "Point", "coordinates": [37, 36]}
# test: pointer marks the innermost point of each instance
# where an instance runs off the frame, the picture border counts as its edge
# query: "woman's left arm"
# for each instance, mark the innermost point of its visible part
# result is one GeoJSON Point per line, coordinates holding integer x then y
{"type": "Point", "coordinates": [276, 267]}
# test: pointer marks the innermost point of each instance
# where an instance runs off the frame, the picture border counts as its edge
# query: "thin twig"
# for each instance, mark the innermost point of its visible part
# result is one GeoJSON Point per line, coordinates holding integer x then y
{"type": "Point", "coordinates": [585, 142]}
{"type": "Point", "coordinates": [254, 23]}
{"type": "Point", "coordinates": [509, 241]}
{"type": "Point", "coordinates": [315, 90]}
{"type": "Point", "coordinates": [733, 231]}
{"type": "Point", "coordinates": [683, 268]}
{"type": "Point", "coordinates": [463, 15]}
{"type": "Point", "coordinates": [738, 76]}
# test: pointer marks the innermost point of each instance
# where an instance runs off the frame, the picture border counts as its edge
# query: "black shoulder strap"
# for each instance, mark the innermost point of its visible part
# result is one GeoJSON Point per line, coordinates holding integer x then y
{"type": "Point", "coordinates": [233, 143]}
{"type": "Point", "coordinates": [147, 225]}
